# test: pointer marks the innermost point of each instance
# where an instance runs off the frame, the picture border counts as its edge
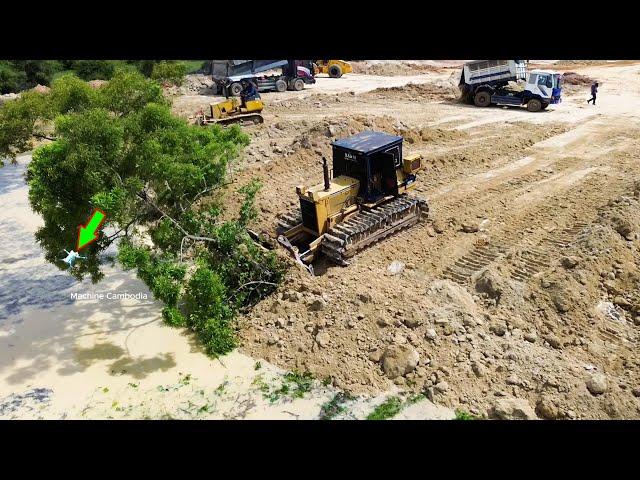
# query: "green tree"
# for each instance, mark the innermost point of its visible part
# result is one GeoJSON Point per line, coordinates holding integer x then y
{"type": "Point", "coordinates": [169, 72]}
{"type": "Point", "coordinates": [18, 75]}
{"type": "Point", "coordinates": [120, 149]}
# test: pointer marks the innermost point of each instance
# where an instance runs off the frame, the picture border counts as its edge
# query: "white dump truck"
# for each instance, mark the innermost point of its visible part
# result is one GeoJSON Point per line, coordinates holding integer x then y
{"type": "Point", "coordinates": [486, 82]}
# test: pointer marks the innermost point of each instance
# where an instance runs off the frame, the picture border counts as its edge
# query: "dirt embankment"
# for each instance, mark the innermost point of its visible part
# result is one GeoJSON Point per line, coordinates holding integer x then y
{"type": "Point", "coordinates": [518, 299]}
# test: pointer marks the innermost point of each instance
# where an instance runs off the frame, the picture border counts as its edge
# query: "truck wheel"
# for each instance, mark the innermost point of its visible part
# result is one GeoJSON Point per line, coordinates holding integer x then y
{"type": "Point", "coordinates": [281, 86]}
{"type": "Point", "coordinates": [335, 71]}
{"type": "Point", "coordinates": [298, 84]}
{"type": "Point", "coordinates": [482, 99]}
{"type": "Point", "coordinates": [235, 89]}
{"type": "Point", "coordinates": [534, 105]}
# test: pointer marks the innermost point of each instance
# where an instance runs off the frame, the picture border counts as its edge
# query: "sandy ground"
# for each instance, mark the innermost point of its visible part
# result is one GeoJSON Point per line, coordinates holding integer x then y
{"type": "Point", "coordinates": [512, 196]}
{"type": "Point", "coordinates": [65, 358]}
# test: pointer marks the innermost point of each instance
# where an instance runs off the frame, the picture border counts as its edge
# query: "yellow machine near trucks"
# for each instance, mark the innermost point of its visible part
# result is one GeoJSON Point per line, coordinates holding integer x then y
{"type": "Point", "coordinates": [232, 110]}
{"type": "Point", "coordinates": [334, 68]}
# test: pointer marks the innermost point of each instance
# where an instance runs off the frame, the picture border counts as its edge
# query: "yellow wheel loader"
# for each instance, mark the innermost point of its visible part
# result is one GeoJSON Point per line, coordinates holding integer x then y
{"type": "Point", "coordinates": [335, 68]}
{"type": "Point", "coordinates": [232, 110]}
{"type": "Point", "coordinates": [365, 201]}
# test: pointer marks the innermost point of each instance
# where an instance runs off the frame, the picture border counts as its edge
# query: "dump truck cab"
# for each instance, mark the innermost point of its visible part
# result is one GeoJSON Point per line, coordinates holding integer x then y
{"type": "Point", "coordinates": [545, 85]}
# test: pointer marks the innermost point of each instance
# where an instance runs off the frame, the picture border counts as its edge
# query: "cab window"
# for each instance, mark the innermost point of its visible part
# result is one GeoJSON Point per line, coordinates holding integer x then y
{"type": "Point", "coordinates": [545, 80]}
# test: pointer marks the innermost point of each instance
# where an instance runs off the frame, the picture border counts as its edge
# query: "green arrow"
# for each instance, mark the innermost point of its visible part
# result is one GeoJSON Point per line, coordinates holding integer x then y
{"type": "Point", "coordinates": [88, 233]}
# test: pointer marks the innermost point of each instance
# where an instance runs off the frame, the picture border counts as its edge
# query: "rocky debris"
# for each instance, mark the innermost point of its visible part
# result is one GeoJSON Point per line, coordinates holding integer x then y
{"type": "Point", "coordinates": [484, 225]}
{"type": "Point", "coordinates": [478, 369]}
{"type": "Point", "coordinates": [431, 334]}
{"type": "Point", "coordinates": [441, 387]}
{"type": "Point", "coordinates": [322, 339]}
{"type": "Point", "coordinates": [489, 283]}
{"type": "Point", "coordinates": [365, 297]}
{"type": "Point", "coordinates": [383, 320]}
{"type": "Point", "coordinates": [530, 337]}
{"type": "Point", "coordinates": [376, 355]}
{"type": "Point", "coordinates": [561, 297]}
{"type": "Point", "coordinates": [636, 392]}
{"type": "Point", "coordinates": [554, 341]}
{"type": "Point", "coordinates": [317, 305]}
{"type": "Point", "coordinates": [623, 227]}
{"type": "Point", "coordinates": [395, 267]}
{"type": "Point", "coordinates": [547, 409]}
{"type": "Point", "coordinates": [398, 360]}
{"type": "Point", "coordinates": [513, 380]}
{"type": "Point", "coordinates": [509, 408]}
{"type": "Point", "coordinates": [570, 262]}
{"type": "Point", "coordinates": [499, 328]}
{"type": "Point", "coordinates": [597, 384]}
{"type": "Point", "coordinates": [414, 321]}
{"type": "Point", "coordinates": [470, 227]}
{"type": "Point", "coordinates": [438, 225]}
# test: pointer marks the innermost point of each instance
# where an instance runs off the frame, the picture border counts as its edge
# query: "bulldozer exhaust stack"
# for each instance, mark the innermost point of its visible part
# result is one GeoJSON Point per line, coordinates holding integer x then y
{"type": "Point", "coordinates": [325, 170]}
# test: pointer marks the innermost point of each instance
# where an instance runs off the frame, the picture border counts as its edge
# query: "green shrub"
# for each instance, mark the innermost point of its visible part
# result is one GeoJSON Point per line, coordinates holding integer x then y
{"type": "Point", "coordinates": [173, 317]}
{"type": "Point", "coordinates": [169, 72]}
{"type": "Point", "coordinates": [94, 69]}
{"type": "Point", "coordinates": [388, 409]}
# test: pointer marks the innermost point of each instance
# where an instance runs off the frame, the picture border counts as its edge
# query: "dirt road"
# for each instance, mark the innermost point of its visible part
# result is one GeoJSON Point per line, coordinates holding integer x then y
{"type": "Point", "coordinates": [544, 198]}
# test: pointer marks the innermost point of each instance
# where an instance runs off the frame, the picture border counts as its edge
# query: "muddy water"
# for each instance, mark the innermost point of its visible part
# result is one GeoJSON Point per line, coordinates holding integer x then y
{"type": "Point", "coordinates": [64, 357]}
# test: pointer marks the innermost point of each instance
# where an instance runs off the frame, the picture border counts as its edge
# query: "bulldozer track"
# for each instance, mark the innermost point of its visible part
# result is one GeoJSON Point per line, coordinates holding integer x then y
{"type": "Point", "coordinates": [368, 226]}
{"type": "Point", "coordinates": [473, 262]}
{"type": "Point", "coordinates": [534, 260]}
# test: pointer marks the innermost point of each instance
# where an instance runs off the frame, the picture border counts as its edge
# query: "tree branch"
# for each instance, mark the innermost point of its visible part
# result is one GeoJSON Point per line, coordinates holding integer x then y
{"type": "Point", "coordinates": [39, 135]}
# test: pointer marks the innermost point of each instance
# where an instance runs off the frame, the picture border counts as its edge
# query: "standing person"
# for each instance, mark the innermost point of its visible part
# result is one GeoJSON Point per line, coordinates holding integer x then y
{"type": "Point", "coordinates": [594, 91]}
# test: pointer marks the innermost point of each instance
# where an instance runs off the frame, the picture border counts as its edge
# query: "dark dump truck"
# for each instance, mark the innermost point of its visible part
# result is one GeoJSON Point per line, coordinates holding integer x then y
{"type": "Point", "coordinates": [291, 75]}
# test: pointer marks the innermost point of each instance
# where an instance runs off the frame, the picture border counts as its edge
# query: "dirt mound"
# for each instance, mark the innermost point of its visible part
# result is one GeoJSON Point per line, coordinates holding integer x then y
{"type": "Point", "coordinates": [417, 91]}
{"type": "Point", "coordinates": [573, 78]}
{"type": "Point", "coordinates": [391, 67]}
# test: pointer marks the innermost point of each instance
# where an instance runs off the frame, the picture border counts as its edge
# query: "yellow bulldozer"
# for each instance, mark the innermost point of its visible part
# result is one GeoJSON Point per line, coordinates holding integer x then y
{"type": "Point", "coordinates": [232, 110]}
{"type": "Point", "coordinates": [335, 68]}
{"type": "Point", "coordinates": [365, 201]}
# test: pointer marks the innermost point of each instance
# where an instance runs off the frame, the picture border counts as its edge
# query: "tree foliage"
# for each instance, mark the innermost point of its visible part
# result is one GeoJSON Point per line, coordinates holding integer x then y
{"type": "Point", "coordinates": [18, 75]}
{"type": "Point", "coordinates": [119, 148]}
{"type": "Point", "coordinates": [169, 72]}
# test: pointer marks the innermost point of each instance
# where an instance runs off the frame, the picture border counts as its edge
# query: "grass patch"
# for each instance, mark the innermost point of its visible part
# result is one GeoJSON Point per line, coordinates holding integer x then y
{"type": "Point", "coordinates": [388, 409]}
{"type": "Point", "coordinates": [464, 415]}
{"type": "Point", "coordinates": [335, 406]}
{"type": "Point", "coordinates": [294, 385]}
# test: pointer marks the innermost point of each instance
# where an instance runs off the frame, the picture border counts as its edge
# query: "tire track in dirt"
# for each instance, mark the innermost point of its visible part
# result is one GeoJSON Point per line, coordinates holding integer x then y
{"type": "Point", "coordinates": [510, 195]}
